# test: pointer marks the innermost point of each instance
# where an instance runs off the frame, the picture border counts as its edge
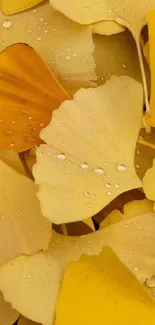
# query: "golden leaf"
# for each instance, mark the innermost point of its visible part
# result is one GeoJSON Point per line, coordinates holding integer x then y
{"type": "Point", "coordinates": [28, 93]}
{"type": "Point", "coordinates": [98, 165]}
{"type": "Point", "coordinates": [100, 290]}
{"type": "Point", "coordinates": [40, 275]}
{"type": "Point", "coordinates": [12, 159]}
{"type": "Point", "coordinates": [10, 7]}
{"type": "Point", "coordinates": [65, 46]}
{"type": "Point", "coordinates": [23, 229]}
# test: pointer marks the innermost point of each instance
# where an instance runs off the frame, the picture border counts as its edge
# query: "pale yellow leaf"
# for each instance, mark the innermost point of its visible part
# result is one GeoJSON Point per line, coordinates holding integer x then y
{"type": "Point", "coordinates": [39, 276]}
{"type": "Point", "coordinates": [66, 47]}
{"type": "Point", "coordinates": [117, 55]}
{"type": "Point", "coordinates": [100, 290]}
{"type": "Point", "coordinates": [137, 207]}
{"type": "Point", "coordinates": [7, 314]}
{"type": "Point", "coordinates": [107, 28]}
{"type": "Point", "coordinates": [12, 159]}
{"type": "Point", "coordinates": [84, 164]}
{"type": "Point", "coordinates": [10, 7]}
{"type": "Point", "coordinates": [23, 229]}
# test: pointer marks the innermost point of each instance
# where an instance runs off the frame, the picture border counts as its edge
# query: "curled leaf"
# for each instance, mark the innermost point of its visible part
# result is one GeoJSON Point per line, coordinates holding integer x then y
{"type": "Point", "coordinates": [98, 165]}
{"type": "Point", "coordinates": [65, 46]}
{"type": "Point", "coordinates": [23, 229]}
{"type": "Point", "coordinates": [107, 28]}
{"type": "Point", "coordinates": [12, 159]}
{"type": "Point", "coordinates": [28, 93]}
{"type": "Point", "coordinates": [104, 291]}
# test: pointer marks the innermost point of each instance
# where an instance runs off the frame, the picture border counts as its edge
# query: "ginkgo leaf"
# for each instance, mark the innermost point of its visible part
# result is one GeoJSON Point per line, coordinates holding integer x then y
{"type": "Point", "coordinates": [25, 321]}
{"type": "Point", "coordinates": [7, 314]}
{"type": "Point", "coordinates": [10, 7]}
{"type": "Point", "coordinates": [151, 119]}
{"type": "Point", "coordinates": [117, 55]}
{"type": "Point", "coordinates": [99, 166]}
{"type": "Point", "coordinates": [12, 159]}
{"type": "Point", "coordinates": [66, 47]}
{"type": "Point", "coordinates": [100, 290]}
{"type": "Point", "coordinates": [40, 275]}
{"type": "Point", "coordinates": [23, 229]}
{"type": "Point", "coordinates": [28, 93]}
{"type": "Point", "coordinates": [149, 183]}
{"type": "Point", "coordinates": [106, 27]}
{"type": "Point", "coordinates": [144, 154]}
{"type": "Point", "coordinates": [131, 14]}
{"type": "Point", "coordinates": [137, 207]}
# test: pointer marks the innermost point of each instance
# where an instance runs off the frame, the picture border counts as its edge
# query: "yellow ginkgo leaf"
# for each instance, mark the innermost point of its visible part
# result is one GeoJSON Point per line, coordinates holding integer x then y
{"type": "Point", "coordinates": [65, 46]}
{"type": "Point", "coordinates": [106, 27]}
{"type": "Point", "coordinates": [149, 183]}
{"type": "Point", "coordinates": [10, 7]}
{"type": "Point", "coordinates": [137, 207]}
{"type": "Point", "coordinates": [100, 290]}
{"type": "Point", "coordinates": [131, 14]}
{"type": "Point", "coordinates": [151, 119]}
{"type": "Point", "coordinates": [25, 321]}
{"type": "Point", "coordinates": [85, 146]}
{"type": "Point", "coordinates": [7, 314]}
{"type": "Point", "coordinates": [117, 55]}
{"type": "Point", "coordinates": [28, 94]}
{"type": "Point", "coordinates": [40, 275]}
{"type": "Point", "coordinates": [23, 229]}
{"type": "Point", "coordinates": [12, 159]}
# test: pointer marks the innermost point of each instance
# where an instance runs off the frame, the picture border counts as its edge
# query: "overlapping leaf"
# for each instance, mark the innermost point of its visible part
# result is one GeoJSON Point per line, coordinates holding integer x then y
{"type": "Point", "coordinates": [10, 7]}
{"type": "Point", "coordinates": [84, 164]}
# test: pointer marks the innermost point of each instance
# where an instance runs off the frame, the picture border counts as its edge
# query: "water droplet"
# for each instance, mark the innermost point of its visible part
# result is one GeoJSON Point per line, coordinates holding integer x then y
{"type": "Point", "coordinates": [83, 249]}
{"type": "Point", "coordinates": [137, 166]}
{"type": "Point", "coordinates": [46, 31]}
{"type": "Point", "coordinates": [74, 246]}
{"type": "Point", "coordinates": [74, 55]}
{"type": "Point", "coordinates": [107, 185]}
{"type": "Point", "coordinates": [136, 269]}
{"type": "Point", "coordinates": [121, 168]}
{"type": "Point", "coordinates": [124, 65]}
{"type": "Point", "coordinates": [151, 282]}
{"type": "Point", "coordinates": [9, 132]}
{"type": "Point", "coordinates": [101, 241]}
{"type": "Point", "coordinates": [13, 122]}
{"type": "Point", "coordinates": [68, 50]}
{"type": "Point", "coordinates": [138, 152]}
{"type": "Point", "coordinates": [89, 241]}
{"type": "Point", "coordinates": [86, 194]}
{"type": "Point", "coordinates": [84, 165]}
{"type": "Point", "coordinates": [29, 30]}
{"type": "Point", "coordinates": [34, 10]}
{"type": "Point", "coordinates": [29, 275]}
{"type": "Point", "coordinates": [41, 19]}
{"type": "Point", "coordinates": [110, 11]}
{"type": "Point", "coordinates": [39, 38]}
{"type": "Point", "coordinates": [117, 185]}
{"type": "Point", "coordinates": [1, 121]}
{"type": "Point", "coordinates": [86, 8]}
{"type": "Point", "coordinates": [34, 129]}
{"type": "Point", "coordinates": [11, 144]}
{"type": "Point", "coordinates": [42, 125]}
{"type": "Point", "coordinates": [68, 175]}
{"type": "Point", "coordinates": [99, 171]}
{"type": "Point", "coordinates": [7, 24]}
{"type": "Point", "coordinates": [29, 117]}
{"type": "Point", "coordinates": [68, 57]}
{"type": "Point", "coordinates": [93, 196]}
{"type": "Point", "coordinates": [126, 225]}
{"type": "Point", "coordinates": [90, 205]}
{"type": "Point", "coordinates": [61, 156]}
{"type": "Point", "coordinates": [109, 193]}
{"type": "Point", "coordinates": [2, 217]}
{"type": "Point", "coordinates": [141, 137]}
{"type": "Point", "coordinates": [21, 270]}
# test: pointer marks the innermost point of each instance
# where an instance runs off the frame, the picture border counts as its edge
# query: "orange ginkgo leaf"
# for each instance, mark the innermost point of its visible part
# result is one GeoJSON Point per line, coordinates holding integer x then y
{"type": "Point", "coordinates": [28, 94]}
